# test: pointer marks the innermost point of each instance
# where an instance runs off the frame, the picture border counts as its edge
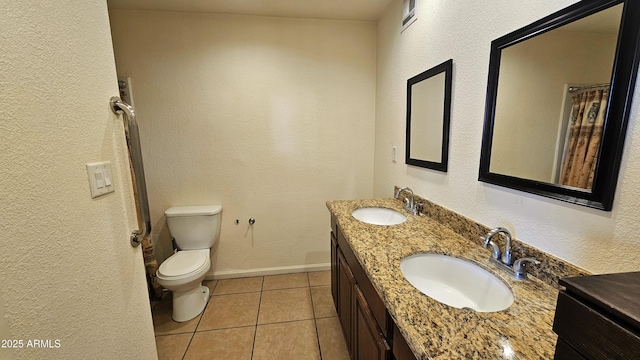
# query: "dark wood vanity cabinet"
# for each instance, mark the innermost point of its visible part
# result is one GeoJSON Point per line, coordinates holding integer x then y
{"type": "Point", "coordinates": [334, 267]}
{"type": "Point", "coordinates": [598, 317]}
{"type": "Point", "coordinates": [367, 326]}
{"type": "Point", "coordinates": [345, 304]}
{"type": "Point", "coordinates": [400, 348]}
{"type": "Point", "coordinates": [368, 341]}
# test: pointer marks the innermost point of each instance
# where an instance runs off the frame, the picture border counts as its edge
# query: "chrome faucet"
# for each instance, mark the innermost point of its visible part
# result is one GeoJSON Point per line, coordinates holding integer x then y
{"type": "Point", "coordinates": [504, 261]}
{"type": "Point", "coordinates": [409, 203]}
{"type": "Point", "coordinates": [506, 255]}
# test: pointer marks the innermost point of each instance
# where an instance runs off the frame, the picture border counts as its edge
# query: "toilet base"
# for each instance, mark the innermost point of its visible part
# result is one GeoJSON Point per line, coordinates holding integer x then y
{"type": "Point", "coordinates": [190, 303]}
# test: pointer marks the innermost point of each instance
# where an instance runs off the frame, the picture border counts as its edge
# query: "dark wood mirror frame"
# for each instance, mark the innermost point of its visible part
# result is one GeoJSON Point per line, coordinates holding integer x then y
{"type": "Point", "coordinates": [623, 80]}
{"type": "Point", "coordinates": [446, 68]}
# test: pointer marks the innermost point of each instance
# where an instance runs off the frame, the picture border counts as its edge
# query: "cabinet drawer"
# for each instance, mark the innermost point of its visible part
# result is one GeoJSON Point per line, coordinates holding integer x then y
{"type": "Point", "coordinates": [592, 334]}
{"type": "Point", "coordinates": [371, 295]}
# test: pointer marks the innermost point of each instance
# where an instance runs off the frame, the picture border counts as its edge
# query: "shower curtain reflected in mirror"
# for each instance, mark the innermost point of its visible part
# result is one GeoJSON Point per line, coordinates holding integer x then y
{"type": "Point", "coordinates": [585, 135]}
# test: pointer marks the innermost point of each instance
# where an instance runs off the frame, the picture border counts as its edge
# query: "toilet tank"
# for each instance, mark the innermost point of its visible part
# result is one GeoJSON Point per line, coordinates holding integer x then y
{"type": "Point", "coordinates": [194, 227]}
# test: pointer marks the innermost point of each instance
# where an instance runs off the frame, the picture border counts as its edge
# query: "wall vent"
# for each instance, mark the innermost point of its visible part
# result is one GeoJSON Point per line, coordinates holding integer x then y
{"type": "Point", "coordinates": [408, 13]}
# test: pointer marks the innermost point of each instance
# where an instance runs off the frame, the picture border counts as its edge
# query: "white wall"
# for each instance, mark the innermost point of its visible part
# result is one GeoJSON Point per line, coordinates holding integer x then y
{"type": "Point", "coordinates": [596, 240]}
{"type": "Point", "coordinates": [270, 117]}
{"type": "Point", "coordinates": [68, 271]}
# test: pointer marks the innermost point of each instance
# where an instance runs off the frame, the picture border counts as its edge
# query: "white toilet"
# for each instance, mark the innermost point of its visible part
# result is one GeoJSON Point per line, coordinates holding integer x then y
{"type": "Point", "coordinates": [195, 230]}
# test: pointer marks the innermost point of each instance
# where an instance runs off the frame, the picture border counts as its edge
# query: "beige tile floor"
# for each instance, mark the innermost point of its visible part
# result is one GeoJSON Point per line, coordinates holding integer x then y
{"type": "Point", "coordinates": [268, 317]}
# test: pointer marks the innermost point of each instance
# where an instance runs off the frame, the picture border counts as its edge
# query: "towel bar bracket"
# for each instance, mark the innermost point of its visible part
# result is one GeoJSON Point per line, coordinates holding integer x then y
{"type": "Point", "coordinates": [135, 238]}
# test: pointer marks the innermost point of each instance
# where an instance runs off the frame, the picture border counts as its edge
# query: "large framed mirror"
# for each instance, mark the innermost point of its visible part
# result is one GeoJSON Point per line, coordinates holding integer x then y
{"type": "Point", "coordinates": [428, 117]}
{"type": "Point", "coordinates": [558, 100]}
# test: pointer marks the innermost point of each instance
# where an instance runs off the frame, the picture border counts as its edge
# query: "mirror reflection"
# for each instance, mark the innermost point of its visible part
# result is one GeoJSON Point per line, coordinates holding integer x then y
{"type": "Point", "coordinates": [551, 102]}
{"type": "Point", "coordinates": [558, 101]}
{"type": "Point", "coordinates": [427, 104]}
{"type": "Point", "coordinates": [428, 111]}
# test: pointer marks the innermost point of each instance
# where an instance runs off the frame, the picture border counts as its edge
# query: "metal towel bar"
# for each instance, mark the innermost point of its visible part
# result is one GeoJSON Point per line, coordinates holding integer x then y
{"type": "Point", "coordinates": [133, 140]}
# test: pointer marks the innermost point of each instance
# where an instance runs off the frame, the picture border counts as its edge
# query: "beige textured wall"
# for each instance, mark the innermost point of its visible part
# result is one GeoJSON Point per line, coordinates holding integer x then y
{"type": "Point", "coordinates": [68, 271]}
{"type": "Point", "coordinates": [596, 240]}
{"type": "Point", "coordinates": [270, 117]}
{"type": "Point", "coordinates": [5, 333]}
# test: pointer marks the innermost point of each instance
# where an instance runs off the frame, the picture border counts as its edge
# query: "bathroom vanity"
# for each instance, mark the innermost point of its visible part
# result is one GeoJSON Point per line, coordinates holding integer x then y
{"type": "Point", "coordinates": [384, 317]}
{"type": "Point", "coordinates": [598, 317]}
{"type": "Point", "coordinates": [368, 329]}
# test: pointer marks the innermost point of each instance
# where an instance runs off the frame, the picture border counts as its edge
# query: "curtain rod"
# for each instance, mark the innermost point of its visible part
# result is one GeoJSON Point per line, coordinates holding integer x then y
{"type": "Point", "coordinates": [578, 88]}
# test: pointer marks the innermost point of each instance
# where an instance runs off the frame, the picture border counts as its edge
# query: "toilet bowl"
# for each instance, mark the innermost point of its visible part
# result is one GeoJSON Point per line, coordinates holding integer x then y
{"type": "Point", "coordinates": [182, 274]}
{"type": "Point", "coordinates": [195, 230]}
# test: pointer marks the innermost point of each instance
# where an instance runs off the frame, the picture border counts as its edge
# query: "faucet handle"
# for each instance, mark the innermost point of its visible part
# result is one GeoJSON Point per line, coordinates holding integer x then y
{"type": "Point", "coordinates": [520, 263]}
{"type": "Point", "coordinates": [520, 267]}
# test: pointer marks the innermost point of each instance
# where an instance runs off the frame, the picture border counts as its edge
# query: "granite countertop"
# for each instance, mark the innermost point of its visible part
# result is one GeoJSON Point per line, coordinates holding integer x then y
{"type": "Point", "coordinates": [434, 330]}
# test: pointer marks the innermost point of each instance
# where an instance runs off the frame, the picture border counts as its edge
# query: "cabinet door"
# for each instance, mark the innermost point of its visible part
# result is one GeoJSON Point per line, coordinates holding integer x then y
{"type": "Point", "coordinates": [401, 350]}
{"type": "Point", "coordinates": [334, 269]}
{"type": "Point", "coordinates": [346, 284]}
{"type": "Point", "coordinates": [565, 352]}
{"type": "Point", "coordinates": [369, 342]}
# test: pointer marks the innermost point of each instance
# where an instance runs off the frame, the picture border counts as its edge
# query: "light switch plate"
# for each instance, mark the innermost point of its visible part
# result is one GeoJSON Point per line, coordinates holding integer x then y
{"type": "Point", "coordinates": [100, 180]}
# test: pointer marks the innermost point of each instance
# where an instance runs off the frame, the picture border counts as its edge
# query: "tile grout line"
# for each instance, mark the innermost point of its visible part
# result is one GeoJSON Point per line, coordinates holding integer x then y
{"type": "Point", "coordinates": [255, 329]}
{"type": "Point", "coordinates": [288, 288]}
{"type": "Point", "coordinates": [189, 344]}
{"type": "Point", "coordinates": [315, 320]}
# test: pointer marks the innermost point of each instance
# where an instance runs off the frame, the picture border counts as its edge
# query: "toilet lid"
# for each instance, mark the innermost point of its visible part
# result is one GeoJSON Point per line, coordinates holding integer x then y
{"type": "Point", "coordinates": [183, 262]}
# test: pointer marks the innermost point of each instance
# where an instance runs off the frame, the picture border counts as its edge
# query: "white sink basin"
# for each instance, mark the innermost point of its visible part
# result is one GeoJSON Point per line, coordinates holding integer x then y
{"type": "Point", "coordinates": [456, 282]}
{"type": "Point", "coordinates": [379, 216]}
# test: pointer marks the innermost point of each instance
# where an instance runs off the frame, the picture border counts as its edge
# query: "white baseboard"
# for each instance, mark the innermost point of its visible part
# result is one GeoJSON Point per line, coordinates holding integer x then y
{"type": "Point", "coordinates": [229, 274]}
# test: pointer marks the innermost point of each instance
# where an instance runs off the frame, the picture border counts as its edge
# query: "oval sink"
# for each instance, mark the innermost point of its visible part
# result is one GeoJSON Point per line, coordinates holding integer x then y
{"type": "Point", "coordinates": [456, 282]}
{"type": "Point", "coordinates": [379, 216]}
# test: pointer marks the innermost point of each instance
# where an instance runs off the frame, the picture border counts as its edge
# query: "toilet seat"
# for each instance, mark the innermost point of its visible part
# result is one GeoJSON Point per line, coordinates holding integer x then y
{"type": "Point", "coordinates": [184, 264]}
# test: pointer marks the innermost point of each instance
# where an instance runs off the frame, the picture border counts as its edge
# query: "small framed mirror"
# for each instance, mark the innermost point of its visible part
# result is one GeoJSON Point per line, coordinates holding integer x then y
{"type": "Point", "coordinates": [428, 114]}
{"type": "Point", "coordinates": [558, 101]}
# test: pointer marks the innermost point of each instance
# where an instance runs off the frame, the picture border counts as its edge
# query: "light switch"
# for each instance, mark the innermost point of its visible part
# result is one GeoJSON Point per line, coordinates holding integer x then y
{"type": "Point", "coordinates": [107, 177]}
{"type": "Point", "coordinates": [100, 178]}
